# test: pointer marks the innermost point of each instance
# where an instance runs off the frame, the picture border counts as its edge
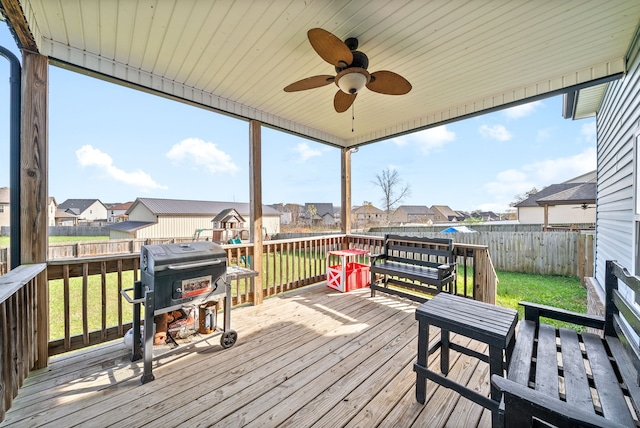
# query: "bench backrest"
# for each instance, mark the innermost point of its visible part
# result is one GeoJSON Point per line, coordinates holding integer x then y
{"type": "Point", "coordinates": [617, 307]}
{"type": "Point", "coordinates": [419, 250]}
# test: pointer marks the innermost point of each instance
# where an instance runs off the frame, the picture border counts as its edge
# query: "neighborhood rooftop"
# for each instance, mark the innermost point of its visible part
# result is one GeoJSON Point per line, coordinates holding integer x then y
{"type": "Point", "coordinates": [189, 207]}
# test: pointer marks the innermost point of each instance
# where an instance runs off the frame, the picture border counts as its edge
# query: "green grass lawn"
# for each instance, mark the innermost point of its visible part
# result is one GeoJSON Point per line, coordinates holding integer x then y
{"type": "Point", "coordinates": [564, 292]}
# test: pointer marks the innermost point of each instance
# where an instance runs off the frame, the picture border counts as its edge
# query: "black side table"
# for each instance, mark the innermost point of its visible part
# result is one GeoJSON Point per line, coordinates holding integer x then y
{"type": "Point", "coordinates": [484, 322]}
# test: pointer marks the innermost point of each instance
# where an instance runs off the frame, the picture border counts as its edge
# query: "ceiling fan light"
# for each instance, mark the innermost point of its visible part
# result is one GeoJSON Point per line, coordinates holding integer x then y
{"type": "Point", "coordinates": [352, 83]}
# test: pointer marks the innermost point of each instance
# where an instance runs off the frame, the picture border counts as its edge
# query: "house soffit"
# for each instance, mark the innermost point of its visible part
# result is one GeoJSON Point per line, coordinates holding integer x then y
{"type": "Point", "coordinates": [462, 58]}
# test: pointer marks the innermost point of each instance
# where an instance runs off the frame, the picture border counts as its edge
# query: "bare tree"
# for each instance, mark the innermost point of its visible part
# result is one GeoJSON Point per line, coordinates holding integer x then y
{"type": "Point", "coordinates": [392, 189]}
{"type": "Point", "coordinates": [523, 196]}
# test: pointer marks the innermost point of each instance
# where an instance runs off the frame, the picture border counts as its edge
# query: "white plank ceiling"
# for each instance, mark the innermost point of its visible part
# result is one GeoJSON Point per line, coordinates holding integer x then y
{"type": "Point", "coordinates": [462, 57]}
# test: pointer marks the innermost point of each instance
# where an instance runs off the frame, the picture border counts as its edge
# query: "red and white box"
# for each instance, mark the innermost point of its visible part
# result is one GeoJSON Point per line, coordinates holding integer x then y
{"type": "Point", "coordinates": [348, 269]}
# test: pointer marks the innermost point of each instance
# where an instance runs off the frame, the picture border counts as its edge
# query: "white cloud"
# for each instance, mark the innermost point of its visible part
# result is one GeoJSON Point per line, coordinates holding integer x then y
{"type": "Point", "coordinates": [305, 152]}
{"type": "Point", "coordinates": [588, 131]}
{"type": "Point", "coordinates": [87, 156]}
{"type": "Point", "coordinates": [496, 132]}
{"type": "Point", "coordinates": [523, 110]}
{"type": "Point", "coordinates": [512, 182]}
{"type": "Point", "coordinates": [429, 140]}
{"type": "Point", "coordinates": [558, 170]}
{"type": "Point", "coordinates": [202, 154]}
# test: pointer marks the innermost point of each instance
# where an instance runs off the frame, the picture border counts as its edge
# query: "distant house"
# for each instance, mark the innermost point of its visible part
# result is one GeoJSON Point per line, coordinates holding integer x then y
{"type": "Point", "coordinates": [52, 208]}
{"type": "Point", "coordinates": [413, 214]}
{"type": "Point", "coordinates": [63, 218]}
{"type": "Point", "coordinates": [367, 215]}
{"type": "Point", "coordinates": [4, 207]}
{"type": "Point", "coordinates": [319, 214]}
{"type": "Point", "coordinates": [485, 215]}
{"type": "Point", "coordinates": [444, 214]}
{"type": "Point", "coordinates": [286, 216]}
{"type": "Point", "coordinates": [117, 212]}
{"type": "Point", "coordinates": [570, 202]}
{"type": "Point", "coordinates": [86, 210]}
{"type": "Point", "coordinates": [178, 218]}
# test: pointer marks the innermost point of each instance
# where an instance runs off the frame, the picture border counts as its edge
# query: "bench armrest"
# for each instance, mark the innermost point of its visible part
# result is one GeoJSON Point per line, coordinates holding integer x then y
{"type": "Point", "coordinates": [522, 404]}
{"type": "Point", "coordinates": [533, 312]}
{"type": "Point", "coordinates": [445, 270]}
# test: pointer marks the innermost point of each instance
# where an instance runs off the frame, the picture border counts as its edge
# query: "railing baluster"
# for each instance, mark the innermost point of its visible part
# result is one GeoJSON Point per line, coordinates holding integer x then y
{"type": "Point", "coordinates": [85, 303]}
{"type": "Point", "coordinates": [103, 284]}
{"type": "Point", "coordinates": [120, 315]}
{"type": "Point", "coordinates": [67, 310]}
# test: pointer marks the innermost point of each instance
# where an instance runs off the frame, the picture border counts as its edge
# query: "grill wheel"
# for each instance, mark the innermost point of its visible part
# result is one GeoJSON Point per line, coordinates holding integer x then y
{"type": "Point", "coordinates": [228, 339]}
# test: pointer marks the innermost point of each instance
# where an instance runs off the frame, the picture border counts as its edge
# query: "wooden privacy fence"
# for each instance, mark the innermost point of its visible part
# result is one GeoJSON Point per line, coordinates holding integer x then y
{"type": "Point", "coordinates": [65, 250]}
{"type": "Point", "coordinates": [547, 253]}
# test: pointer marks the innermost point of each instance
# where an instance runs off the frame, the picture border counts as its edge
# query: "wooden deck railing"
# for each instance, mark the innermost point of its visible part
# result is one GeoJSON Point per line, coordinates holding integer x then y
{"type": "Point", "coordinates": [88, 289]}
{"type": "Point", "coordinates": [96, 282]}
{"type": "Point", "coordinates": [18, 329]}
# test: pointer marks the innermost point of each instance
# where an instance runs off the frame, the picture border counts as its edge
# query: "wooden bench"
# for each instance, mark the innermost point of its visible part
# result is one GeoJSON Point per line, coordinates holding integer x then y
{"type": "Point", "coordinates": [565, 378]}
{"type": "Point", "coordinates": [426, 265]}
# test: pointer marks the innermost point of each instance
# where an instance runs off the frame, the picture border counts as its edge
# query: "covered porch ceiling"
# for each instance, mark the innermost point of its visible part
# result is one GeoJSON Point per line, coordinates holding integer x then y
{"type": "Point", "coordinates": [461, 57]}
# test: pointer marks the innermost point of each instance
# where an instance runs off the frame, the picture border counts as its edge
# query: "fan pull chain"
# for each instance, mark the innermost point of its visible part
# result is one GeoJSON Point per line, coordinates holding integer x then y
{"type": "Point", "coordinates": [353, 115]}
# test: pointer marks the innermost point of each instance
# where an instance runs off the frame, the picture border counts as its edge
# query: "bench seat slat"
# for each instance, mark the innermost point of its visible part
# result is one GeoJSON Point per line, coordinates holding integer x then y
{"type": "Point", "coordinates": [613, 403]}
{"type": "Point", "coordinates": [576, 383]}
{"type": "Point", "coordinates": [626, 367]}
{"type": "Point", "coordinates": [547, 361]}
{"type": "Point", "coordinates": [520, 368]}
{"type": "Point", "coordinates": [393, 267]}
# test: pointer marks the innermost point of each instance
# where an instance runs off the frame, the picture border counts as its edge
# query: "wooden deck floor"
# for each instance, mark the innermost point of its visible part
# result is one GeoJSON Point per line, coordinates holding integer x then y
{"type": "Point", "coordinates": [313, 357]}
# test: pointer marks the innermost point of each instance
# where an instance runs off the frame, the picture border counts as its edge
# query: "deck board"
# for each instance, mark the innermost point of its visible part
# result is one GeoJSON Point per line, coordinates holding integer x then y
{"type": "Point", "coordinates": [312, 357]}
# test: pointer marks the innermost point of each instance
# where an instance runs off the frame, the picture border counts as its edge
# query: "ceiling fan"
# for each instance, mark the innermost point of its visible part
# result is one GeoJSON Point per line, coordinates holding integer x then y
{"type": "Point", "coordinates": [584, 207]}
{"type": "Point", "coordinates": [351, 71]}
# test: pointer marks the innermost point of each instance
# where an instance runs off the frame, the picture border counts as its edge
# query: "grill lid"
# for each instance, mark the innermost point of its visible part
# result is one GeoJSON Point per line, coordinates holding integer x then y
{"type": "Point", "coordinates": [156, 258]}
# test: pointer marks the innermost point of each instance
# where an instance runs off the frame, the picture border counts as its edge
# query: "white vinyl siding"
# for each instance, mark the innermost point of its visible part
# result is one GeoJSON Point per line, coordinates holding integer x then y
{"type": "Point", "coordinates": [617, 129]}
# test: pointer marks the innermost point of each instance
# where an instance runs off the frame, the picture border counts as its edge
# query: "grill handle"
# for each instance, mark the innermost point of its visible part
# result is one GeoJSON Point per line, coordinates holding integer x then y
{"type": "Point", "coordinates": [195, 265]}
{"type": "Point", "coordinates": [125, 294]}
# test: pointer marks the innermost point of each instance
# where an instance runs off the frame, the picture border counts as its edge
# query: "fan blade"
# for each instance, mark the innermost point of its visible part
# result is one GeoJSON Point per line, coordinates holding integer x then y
{"type": "Point", "coordinates": [342, 101]}
{"type": "Point", "coordinates": [329, 47]}
{"type": "Point", "coordinates": [388, 82]}
{"type": "Point", "coordinates": [310, 83]}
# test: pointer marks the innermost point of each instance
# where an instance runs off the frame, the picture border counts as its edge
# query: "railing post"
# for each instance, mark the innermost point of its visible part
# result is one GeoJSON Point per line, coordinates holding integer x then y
{"type": "Point", "coordinates": [345, 187]}
{"type": "Point", "coordinates": [255, 193]}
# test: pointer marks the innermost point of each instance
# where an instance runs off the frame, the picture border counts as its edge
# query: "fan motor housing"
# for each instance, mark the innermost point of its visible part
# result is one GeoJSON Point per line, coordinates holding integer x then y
{"type": "Point", "coordinates": [360, 60]}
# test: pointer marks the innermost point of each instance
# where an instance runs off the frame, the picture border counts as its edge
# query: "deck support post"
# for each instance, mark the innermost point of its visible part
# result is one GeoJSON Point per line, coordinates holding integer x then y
{"type": "Point", "coordinates": [34, 161]}
{"type": "Point", "coordinates": [255, 196]}
{"type": "Point", "coordinates": [345, 191]}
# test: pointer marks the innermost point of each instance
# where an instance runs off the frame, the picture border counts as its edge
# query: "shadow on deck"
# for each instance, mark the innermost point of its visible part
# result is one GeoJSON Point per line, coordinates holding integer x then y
{"type": "Point", "coordinates": [313, 357]}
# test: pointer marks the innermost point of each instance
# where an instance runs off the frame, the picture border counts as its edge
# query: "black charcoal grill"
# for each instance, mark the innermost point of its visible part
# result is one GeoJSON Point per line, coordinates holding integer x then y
{"type": "Point", "coordinates": [172, 276]}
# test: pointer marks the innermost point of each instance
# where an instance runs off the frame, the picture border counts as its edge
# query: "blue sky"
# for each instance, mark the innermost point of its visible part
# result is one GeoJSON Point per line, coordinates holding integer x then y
{"type": "Point", "coordinates": [116, 144]}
